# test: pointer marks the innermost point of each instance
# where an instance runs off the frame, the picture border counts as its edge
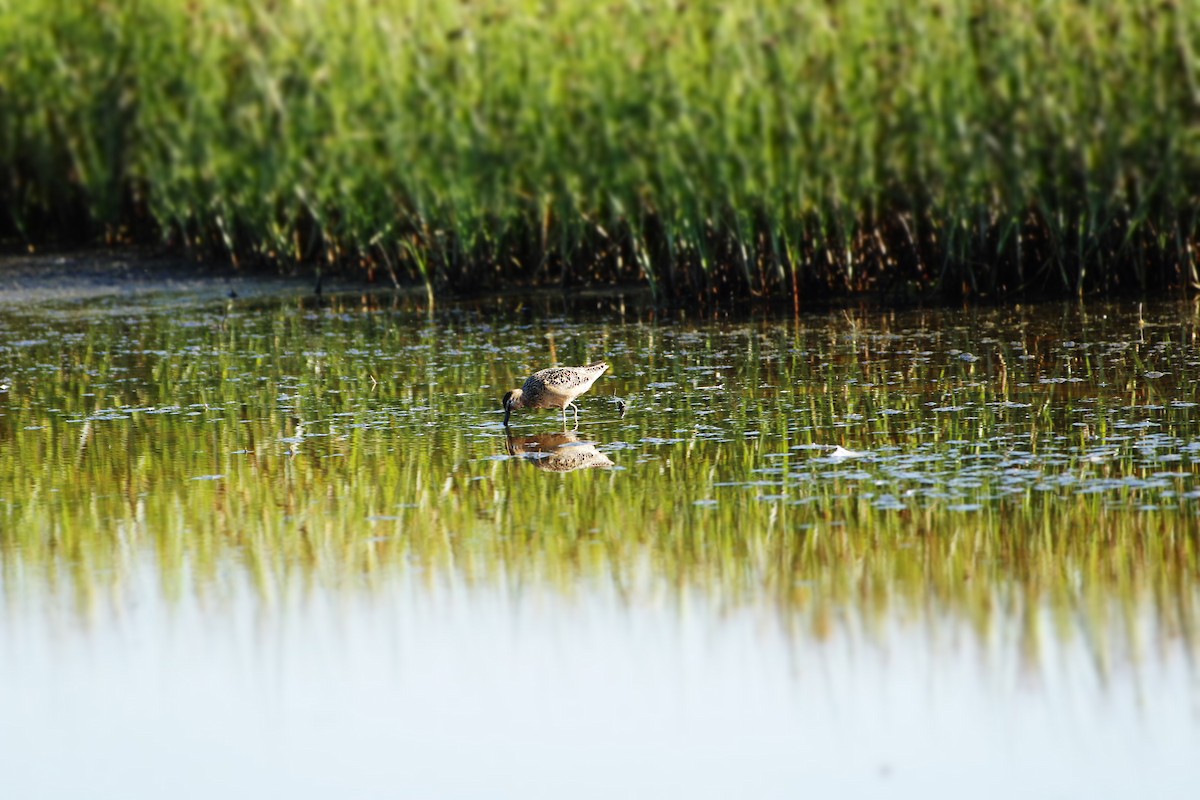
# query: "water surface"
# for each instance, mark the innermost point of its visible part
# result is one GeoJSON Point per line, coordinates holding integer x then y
{"type": "Point", "coordinates": [287, 545]}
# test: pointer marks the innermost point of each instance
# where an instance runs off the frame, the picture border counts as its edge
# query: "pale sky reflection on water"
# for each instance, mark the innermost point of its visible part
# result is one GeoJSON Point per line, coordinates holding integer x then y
{"type": "Point", "coordinates": [455, 691]}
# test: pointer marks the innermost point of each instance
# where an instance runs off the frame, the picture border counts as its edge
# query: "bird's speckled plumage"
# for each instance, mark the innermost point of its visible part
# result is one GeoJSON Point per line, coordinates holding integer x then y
{"type": "Point", "coordinates": [556, 387]}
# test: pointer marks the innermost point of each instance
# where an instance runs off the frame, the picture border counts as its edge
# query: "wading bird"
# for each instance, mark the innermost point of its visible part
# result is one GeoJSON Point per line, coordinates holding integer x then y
{"type": "Point", "coordinates": [556, 387]}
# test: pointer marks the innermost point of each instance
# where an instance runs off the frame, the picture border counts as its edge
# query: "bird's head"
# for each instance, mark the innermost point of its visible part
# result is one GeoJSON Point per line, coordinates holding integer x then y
{"type": "Point", "coordinates": [511, 400]}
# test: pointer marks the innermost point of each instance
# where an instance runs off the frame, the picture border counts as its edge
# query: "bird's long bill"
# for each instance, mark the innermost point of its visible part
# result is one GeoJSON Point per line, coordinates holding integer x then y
{"type": "Point", "coordinates": [507, 414]}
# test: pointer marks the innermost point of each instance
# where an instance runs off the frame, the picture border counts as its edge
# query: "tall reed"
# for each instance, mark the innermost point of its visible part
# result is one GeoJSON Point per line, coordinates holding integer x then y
{"type": "Point", "coordinates": [775, 149]}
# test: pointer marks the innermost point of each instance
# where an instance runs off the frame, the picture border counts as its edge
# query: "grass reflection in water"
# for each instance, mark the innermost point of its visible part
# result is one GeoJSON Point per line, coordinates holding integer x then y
{"type": "Point", "coordinates": [959, 469]}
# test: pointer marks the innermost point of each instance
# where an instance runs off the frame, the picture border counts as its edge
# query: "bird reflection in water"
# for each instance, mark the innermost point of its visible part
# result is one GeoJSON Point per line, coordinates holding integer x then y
{"type": "Point", "coordinates": [558, 452]}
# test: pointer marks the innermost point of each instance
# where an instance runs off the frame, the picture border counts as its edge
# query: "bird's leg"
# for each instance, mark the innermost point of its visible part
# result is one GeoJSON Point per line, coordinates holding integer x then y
{"type": "Point", "coordinates": [576, 414]}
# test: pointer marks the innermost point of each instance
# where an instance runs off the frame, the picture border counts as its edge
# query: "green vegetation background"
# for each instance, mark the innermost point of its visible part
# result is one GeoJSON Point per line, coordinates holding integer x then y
{"type": "Point", "coordinates": [779, 149]}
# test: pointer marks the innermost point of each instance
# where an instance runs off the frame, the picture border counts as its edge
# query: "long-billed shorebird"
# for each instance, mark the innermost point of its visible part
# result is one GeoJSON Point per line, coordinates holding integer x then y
{"type": "Point", "coordinates": [556, 387]}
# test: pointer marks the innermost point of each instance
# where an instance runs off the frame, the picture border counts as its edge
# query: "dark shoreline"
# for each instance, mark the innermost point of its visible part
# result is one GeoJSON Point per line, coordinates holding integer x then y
{"type": "Point", "coordinates": [82, 274]}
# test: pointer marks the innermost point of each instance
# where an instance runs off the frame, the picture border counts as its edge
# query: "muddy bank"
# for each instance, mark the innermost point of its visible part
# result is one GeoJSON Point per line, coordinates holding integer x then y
{"type": "Point", "coordinates": [86, 275]}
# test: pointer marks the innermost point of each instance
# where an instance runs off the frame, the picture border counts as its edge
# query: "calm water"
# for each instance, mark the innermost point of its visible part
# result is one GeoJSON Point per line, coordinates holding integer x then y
{"type": "Point", "coordinates": [264, 546]}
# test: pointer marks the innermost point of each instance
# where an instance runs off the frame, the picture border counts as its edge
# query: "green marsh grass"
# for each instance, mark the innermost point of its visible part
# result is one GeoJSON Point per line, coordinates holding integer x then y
{"type": "Point", "coordinates": [783, 150]}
